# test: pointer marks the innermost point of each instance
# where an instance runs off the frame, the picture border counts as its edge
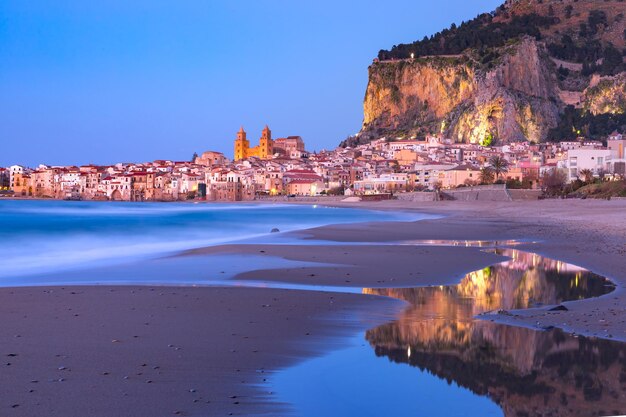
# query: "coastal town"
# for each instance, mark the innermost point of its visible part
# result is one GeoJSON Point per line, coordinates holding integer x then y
{"type": "Point", "coordinates": [283, 167]}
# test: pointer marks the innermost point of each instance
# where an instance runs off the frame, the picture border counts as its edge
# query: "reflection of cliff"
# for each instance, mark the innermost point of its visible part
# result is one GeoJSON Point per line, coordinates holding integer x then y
{"type": "Point", "coordinates": [527, 372]}
{"type": "Point", "coordinates": [443, 316]}
{"type": "Point", "coordinates": [570, 377]}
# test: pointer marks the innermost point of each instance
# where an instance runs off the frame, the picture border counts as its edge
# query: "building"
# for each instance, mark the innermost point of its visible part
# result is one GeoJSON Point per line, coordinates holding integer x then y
{"type": "Point", "coordinates": [142, 186]}
{"type": "Point", "coordinates": [617, 146]}
{"type": "Point", "coordinates": [305, 187]}
{"type": "Point", "coordinates": [291, 146]}
{"type": "Point", "coordinates": [264, 150]}
{"type": "Point", "coordinates": [21, 184]}
{"type": "Point", "coordinates": [14, 170]}
{"type": "Point", "coordinates": [118, 187]}
{"type": "Point", "coordinates": [4, 179]}
{"type": "Point", "coordinates": [457, 176]}
{"type": "Point", "coordinates": [210, 159]}
{"type": "Point", "coordinates": [595, 160]}
{"type": "Point", "coordinates": [385, 183]}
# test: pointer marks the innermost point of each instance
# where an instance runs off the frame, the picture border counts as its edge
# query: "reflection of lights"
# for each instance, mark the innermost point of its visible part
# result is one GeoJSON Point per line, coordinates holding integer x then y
{"type": "Point", "coordinates": [444, 317]}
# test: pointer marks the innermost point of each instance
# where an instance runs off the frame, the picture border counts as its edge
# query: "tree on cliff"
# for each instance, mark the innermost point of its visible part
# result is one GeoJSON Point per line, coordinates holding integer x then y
{"type": "Point", "coordinates": [498, 165]}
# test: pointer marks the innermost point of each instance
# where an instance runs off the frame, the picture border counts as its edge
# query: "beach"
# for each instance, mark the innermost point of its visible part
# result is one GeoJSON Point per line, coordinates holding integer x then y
{"type": "Point", "coordinates": [162, 350]}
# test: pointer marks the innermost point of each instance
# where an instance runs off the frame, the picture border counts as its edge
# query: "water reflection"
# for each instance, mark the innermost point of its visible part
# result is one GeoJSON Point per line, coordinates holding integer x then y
{"type": "Point", "coordinates": [526, 372]}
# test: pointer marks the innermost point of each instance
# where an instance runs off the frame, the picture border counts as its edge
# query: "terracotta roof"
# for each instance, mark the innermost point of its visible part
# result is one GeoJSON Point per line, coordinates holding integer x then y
{"type": "Point", "coordinates": [303, 181]}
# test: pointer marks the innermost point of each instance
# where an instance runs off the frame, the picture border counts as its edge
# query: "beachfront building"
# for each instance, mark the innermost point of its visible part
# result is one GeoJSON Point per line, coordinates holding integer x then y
{"type": "Point", "coordinates": [142, 186]}
{"type": "Point", "coordinates": [582, 158]}
{"type": "Point", "coordinates": [21, 184]}
{"type": "Point", "coordinates": [229, 186]}
{"type": "Point", "coordinates": [14, 170]}
{"type": "Point", "coordinates": [119, 187]}
{"type": "Point", "coordinates": [459, 176]}
{"type": "Point", "coordinates": [4, 179]}
{"type": "Point", "coordinates": [305, 187]}
{"type": "Point", "coordinates": [300, 175]}
{"type": "Point", "coordinates": [382, 184]}
{"type": "Point", "coordinates": [426, 175]}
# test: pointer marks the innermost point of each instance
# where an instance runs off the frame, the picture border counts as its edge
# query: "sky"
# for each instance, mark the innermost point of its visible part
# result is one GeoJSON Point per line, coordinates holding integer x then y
{"type": "Point", "coordinates": [111, 81]}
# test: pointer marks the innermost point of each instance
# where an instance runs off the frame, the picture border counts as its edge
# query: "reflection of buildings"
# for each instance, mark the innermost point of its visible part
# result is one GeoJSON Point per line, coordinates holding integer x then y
{"type": "Point", "coordinates": [526, 372]}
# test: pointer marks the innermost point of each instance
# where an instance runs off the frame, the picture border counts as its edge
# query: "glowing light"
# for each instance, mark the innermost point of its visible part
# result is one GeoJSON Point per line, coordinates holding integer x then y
{"type": "Point", "coordinates": [408, 352]}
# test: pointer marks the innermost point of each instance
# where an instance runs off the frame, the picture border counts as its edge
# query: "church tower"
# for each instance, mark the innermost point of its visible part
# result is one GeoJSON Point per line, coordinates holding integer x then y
{"type": "Point", "coordinates": [241, 145]}
{"type": "Point", "coordinates": [266, 144]}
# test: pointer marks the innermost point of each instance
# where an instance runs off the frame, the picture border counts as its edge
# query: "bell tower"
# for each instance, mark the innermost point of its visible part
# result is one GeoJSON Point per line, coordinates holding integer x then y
{"type": "Point", "coordinates": [241, 145]}
{"type": "Point", "coordinates": [266, 144]}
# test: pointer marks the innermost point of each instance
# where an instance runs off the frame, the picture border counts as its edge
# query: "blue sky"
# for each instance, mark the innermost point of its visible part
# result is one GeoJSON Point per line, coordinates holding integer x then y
{"type": "Point", "coordinates": [119, 80]}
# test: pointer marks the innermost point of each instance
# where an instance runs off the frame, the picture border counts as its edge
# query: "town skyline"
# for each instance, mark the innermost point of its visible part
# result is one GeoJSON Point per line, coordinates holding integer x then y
{"type": "Point", "coordinates": [382, 168]}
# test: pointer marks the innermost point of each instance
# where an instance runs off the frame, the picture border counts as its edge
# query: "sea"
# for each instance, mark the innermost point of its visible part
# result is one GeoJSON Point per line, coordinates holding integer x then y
{"type": "Point", "coordinates": [48, 236]}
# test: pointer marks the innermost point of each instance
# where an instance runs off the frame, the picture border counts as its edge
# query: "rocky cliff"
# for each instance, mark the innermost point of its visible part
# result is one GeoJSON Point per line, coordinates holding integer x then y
{"type": "Point", "coordinates": [476, 87]}
{"type": "Point", "coordinates": [517, 99]}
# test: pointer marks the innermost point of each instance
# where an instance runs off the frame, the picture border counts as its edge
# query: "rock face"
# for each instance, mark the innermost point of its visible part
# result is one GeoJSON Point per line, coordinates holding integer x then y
{"type": "Point", "coordinates": [606, 95]}
{"type": "Point", "coordinates": [517, 99]}
{"type": "Point", "coordinates": [505, 76]}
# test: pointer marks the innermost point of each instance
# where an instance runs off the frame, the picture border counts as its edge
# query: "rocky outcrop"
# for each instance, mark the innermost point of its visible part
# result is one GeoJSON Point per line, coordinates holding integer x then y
{"type": "Point", "coordinates": [606, 95]}
{"type": "Point", "coordinates": [508, 75]}
{"type": "Point", "coordinates": [513, 98]}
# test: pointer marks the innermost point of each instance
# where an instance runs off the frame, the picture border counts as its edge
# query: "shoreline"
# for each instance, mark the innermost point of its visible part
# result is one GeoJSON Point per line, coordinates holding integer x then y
{"type": "Point", "coordinates": [101, 331]}
{"type": "Point", "coordinates": [586, 233]}
{"type": "Point", "coordinates": [161, 351]}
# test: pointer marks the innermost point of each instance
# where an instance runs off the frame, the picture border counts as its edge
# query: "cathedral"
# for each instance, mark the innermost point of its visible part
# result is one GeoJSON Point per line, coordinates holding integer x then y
{"type": "Point", "coordinates": [243, 150]}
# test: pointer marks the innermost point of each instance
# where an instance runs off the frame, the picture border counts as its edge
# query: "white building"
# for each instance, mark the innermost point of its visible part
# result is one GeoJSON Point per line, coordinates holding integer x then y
{"type": "Point", "coordinates": [596, 160]}
{"type": "Point", "coordinates": [13, 170]}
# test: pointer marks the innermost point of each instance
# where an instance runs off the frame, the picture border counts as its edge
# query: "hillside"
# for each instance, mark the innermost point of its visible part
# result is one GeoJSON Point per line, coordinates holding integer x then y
{"type": "Point", "coordinates": [532, 70]}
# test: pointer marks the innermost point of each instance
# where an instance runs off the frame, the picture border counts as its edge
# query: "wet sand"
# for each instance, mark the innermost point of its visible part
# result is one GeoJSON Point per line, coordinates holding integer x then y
{"type": "Point", "coordinates": [378, 266]}
{"type": "Point", "coordinates": [163, 351]}
{"type": "Point", "coordinates": [588, 233]}
{"type": "Point", "coordinates": [68, 350]}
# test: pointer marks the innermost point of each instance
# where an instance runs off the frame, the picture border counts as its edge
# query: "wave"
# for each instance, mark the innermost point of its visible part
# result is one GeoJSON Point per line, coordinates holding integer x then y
{"type": "Point", "coordinates": [123, 208]}
{"type": "Point", "coordinates": [46, 236]}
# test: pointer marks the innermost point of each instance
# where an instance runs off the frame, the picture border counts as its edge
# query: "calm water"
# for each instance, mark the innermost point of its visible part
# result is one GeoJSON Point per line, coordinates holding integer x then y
{"type": "Point", "coordinates": [437, 359]}
{"type": "Point", "coordinates": [45, 236]}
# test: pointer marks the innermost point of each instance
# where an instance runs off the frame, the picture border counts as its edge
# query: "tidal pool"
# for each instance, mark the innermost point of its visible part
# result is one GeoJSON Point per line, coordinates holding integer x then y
{"type": "Point", "coordinates": [438, 359]}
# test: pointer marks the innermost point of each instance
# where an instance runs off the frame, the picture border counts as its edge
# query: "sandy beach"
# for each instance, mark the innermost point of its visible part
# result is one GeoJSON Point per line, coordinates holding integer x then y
{"type": "Point", "coordinates": [159, 351]}
{"type": "Point", "coordinates": [587, 233]}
